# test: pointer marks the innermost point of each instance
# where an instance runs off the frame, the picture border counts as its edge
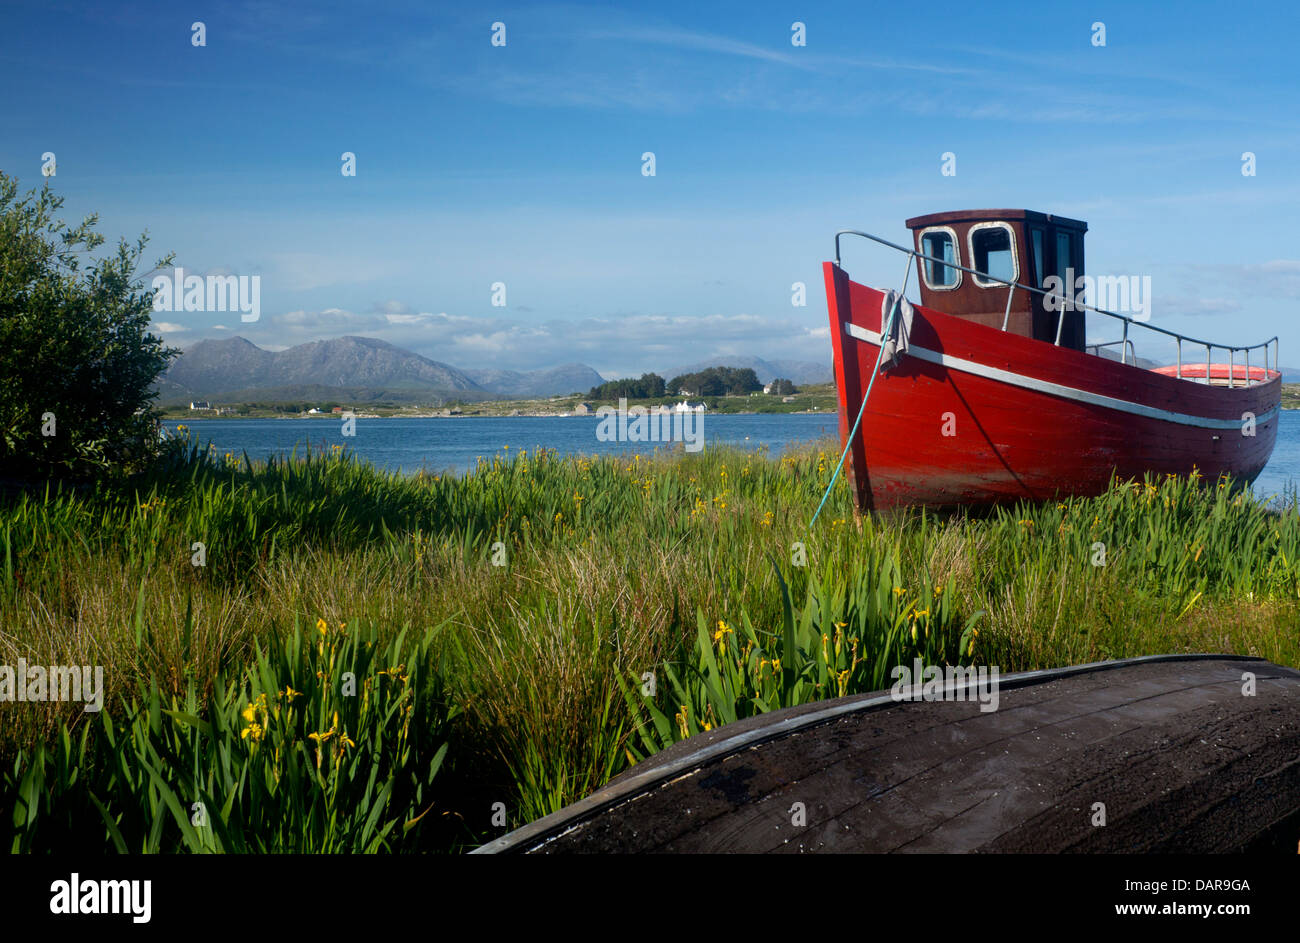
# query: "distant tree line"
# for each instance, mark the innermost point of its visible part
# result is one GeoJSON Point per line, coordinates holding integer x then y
{"type": "Point", "coordinates": [649, 386]}
{"type": "Point", "coordinates": [717, 381]}
{"type": "Point", "coordinates": [782, 387]}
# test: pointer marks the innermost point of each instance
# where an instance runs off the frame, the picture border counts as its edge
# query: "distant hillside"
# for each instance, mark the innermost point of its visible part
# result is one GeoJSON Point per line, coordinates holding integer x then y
{"type": "Point", "coordinates": [318, 394]}
{"type": "Point", "coordinates": [353, 369]}
{"type": "Point", "coordinates": [570, 378]}
{"type": "Point", "coordinates": [800, 371]}
{"type": "Point", "coordinates": [213, 367]}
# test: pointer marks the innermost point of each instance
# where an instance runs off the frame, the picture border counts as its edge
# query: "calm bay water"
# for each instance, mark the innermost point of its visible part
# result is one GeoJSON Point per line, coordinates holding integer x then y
{"type": "Point", "coordinates": [455, 443]}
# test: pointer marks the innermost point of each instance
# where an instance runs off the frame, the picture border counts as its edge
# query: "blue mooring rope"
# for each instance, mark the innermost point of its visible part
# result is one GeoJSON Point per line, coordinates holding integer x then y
{"type": "Point", "coordinates": [889, 326]}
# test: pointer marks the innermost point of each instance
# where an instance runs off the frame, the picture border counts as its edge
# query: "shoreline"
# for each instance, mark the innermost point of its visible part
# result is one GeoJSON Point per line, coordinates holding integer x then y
{"type": "Point", "coordinates": [738, 412]}
{"type": "Point", "coordinates": [815, 400]}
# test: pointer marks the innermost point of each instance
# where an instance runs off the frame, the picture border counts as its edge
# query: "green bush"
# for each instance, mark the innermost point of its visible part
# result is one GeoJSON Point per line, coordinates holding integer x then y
{"type": "Point", "coordinates": [77, 361]}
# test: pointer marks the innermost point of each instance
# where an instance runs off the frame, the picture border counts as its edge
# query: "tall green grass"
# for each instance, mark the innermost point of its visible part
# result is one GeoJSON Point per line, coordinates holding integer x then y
{"type": "Point", "coordinates": [326, 743]}
{"type": "Point", "coordinates": [695, 569]}
{"type": "Point", "coordinates": [850, 632]}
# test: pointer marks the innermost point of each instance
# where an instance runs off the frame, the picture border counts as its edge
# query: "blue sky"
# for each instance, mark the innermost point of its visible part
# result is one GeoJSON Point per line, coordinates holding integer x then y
{"type": "Point", "coordinates": [522, 163]}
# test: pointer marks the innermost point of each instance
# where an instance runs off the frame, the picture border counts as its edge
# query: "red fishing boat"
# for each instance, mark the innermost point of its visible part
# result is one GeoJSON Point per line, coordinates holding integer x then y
{"type": "Point", "coordinates": [988, 391]}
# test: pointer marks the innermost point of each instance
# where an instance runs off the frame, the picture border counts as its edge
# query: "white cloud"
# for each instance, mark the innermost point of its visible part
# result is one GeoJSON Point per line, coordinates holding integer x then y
{"type": "Point", "coordinates": [637, 341]}
{"type": "Point", "coordinates": [684, 39]}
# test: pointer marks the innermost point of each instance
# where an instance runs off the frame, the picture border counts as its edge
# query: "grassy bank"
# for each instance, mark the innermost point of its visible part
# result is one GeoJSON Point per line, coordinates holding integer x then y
{"type": "Point", "coordinates": [359, 661]}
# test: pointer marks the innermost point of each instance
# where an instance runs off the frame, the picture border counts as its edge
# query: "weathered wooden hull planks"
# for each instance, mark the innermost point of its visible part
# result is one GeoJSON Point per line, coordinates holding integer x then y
{"type": "Point", "coordinates": [1166, 746]}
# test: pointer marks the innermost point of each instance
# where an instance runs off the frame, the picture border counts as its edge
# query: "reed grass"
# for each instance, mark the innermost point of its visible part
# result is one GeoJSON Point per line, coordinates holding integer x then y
{"type": "Point", "coordinates": [536, 594]}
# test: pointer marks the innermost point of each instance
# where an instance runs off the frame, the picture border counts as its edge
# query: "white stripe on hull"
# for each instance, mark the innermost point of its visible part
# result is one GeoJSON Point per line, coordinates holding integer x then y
{"type": "Point", "coordinates": [1057, 389]}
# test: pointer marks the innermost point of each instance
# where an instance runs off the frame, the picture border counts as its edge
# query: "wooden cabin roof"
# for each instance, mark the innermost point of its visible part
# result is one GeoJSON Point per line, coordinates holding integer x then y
{"type": "Point", "coordinates": [965, 216]}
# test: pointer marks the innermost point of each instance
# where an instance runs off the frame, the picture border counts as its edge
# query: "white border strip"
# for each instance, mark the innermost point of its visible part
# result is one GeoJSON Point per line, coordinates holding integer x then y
{"type": "Point", "coordinates": [1056, 389]}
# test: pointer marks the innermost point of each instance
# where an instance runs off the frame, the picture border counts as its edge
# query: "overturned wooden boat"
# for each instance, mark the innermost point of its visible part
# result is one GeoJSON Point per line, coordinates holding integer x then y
{"type": "Point", "coordinates": [989, 392]}
{"type": "Point", "coordinates": [1169, 753]}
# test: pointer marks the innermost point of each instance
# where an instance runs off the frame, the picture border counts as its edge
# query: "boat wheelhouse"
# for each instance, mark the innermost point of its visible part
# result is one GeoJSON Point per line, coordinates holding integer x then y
{"type": "Point", "coordinates": [988, 391]}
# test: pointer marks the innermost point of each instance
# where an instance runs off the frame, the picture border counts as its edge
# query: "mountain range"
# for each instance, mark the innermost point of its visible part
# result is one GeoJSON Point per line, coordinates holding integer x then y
{"type": "Point", "coordinates": [350, 369]}
{"type": "Point", "coordinates": [365, 369]}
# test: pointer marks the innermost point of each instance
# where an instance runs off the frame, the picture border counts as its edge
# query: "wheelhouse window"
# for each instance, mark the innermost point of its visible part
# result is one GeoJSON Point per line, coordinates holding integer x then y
{"type": "Point", "coordinates": [1064, 254]}
{"type": "Point", "coordinates": [1040, 260]}
{"type": "Point", "coordinates": [993, 252]}
{"type": "Point", "coordinates": [940, 243]}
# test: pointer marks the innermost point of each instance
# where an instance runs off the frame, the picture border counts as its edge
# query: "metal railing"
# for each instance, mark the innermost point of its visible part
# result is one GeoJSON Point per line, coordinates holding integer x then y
{"type": "Point", "coordinates": [1129, 349]}
{"type": "Point", "coordinates": [1063, 305]}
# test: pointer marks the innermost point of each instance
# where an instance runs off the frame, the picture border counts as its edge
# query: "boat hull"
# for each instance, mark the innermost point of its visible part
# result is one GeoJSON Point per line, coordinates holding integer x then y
{"type": "Point", "coordinates": [975, 415]}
